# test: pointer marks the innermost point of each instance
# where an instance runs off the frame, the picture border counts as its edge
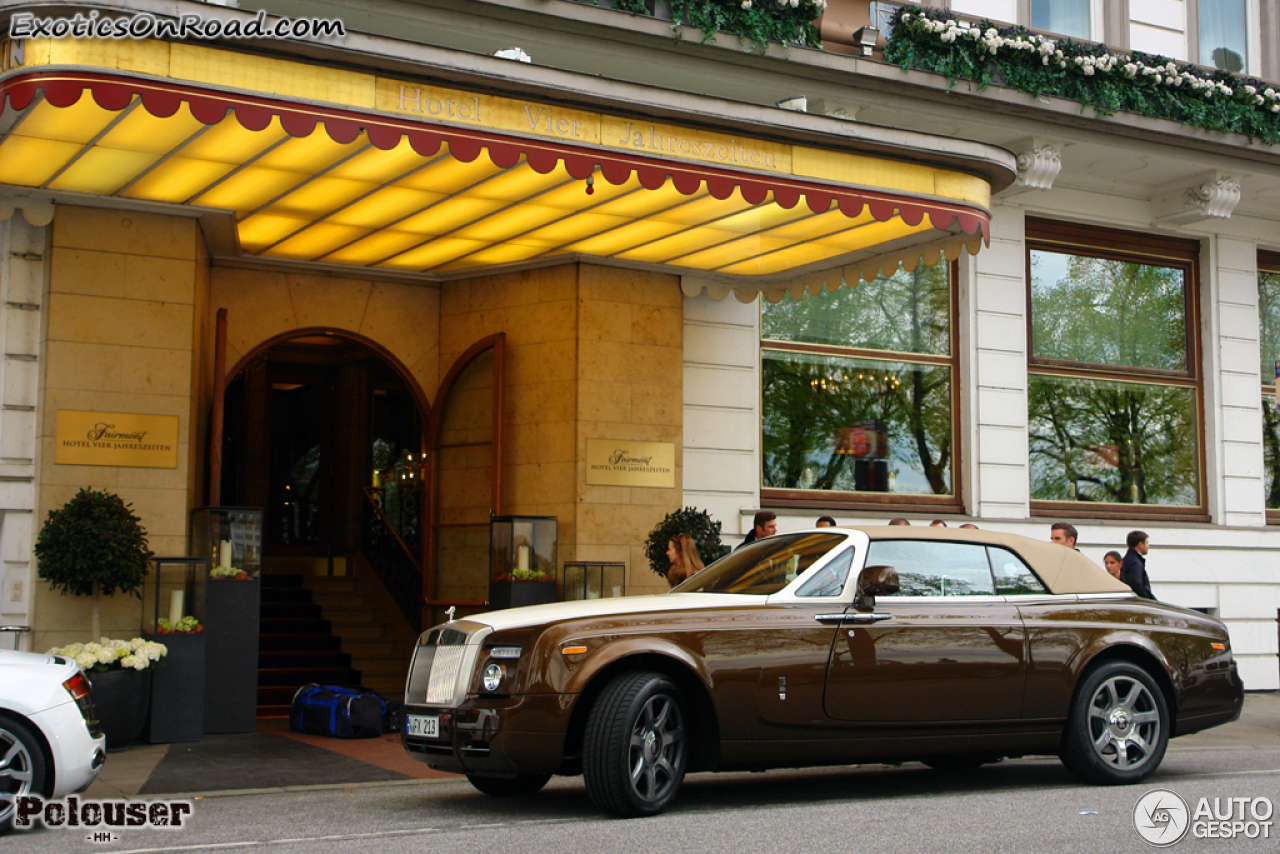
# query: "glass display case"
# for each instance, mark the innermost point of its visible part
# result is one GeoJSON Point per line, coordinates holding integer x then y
{"type": "Point", "coordinates": [230, 538]}
{"type": "Point", "coordinates": [522, 560]}
{"type": "Point", "coordinates": [593, 580]}
{"type": "Point", "coordinates": [173, 595]}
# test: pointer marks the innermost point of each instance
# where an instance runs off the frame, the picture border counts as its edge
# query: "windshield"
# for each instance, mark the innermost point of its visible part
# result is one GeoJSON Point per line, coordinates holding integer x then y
{"type": "Point", "coordinates": [763, 567]}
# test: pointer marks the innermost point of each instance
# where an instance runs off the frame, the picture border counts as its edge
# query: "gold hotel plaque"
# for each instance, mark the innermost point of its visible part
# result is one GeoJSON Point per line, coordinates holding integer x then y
{"type": "Point", "coordinates": [116, 439]}
{"type": "Point", "coordinates": [613, 462]}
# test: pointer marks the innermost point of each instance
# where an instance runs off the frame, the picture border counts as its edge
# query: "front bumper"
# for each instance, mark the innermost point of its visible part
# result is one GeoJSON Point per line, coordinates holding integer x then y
{"type": "Point", "coordinates": [78, 756]}
{"type": "Point", "coordinates": [495, 736]}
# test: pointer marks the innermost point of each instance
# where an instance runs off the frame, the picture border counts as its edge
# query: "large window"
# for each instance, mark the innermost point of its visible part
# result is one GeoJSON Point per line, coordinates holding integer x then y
{"type": "Point", "coordinates": [858, 392]}
{"type": "Point", "coordinates": [1223, 35]}
{"type": "Point", "coordinates": [1063, 17]}
{"type": "Point", "coordinates": [1269, 309]}
{"type": "Point", "coordinates": [1114, 379]}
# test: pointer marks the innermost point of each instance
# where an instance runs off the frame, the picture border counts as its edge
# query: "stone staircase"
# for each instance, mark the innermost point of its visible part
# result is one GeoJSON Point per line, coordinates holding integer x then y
{"type": "Point", "coordinates": [323, 630]}
{"type": "Point", "coordinates": [362, 630]}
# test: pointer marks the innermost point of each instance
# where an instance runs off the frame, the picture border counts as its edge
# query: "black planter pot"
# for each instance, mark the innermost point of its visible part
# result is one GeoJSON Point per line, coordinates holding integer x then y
{"type": "Point", "coordinates": [121, 699]}
{"type": "Point", "coordinates": [177, 690]}
{"type": "Point", "coordinates": [231, 628]}
{"type": "Point", "coordinates": [517, 594]}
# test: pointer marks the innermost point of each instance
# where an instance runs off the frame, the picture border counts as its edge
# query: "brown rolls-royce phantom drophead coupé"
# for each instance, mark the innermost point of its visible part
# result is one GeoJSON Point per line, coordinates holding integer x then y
{"type": "Point", "coordinates": [824, 647]}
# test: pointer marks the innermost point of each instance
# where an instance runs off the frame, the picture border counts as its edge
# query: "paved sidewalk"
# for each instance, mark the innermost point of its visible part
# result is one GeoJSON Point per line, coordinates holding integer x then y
{"type": "Point", "coordinates": [275, 759]}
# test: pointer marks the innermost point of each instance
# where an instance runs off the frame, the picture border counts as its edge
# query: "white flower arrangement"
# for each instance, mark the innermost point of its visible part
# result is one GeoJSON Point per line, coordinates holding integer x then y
{"type": "Point", "coordinates": [107, 654]}
{"type": "Point", "coordinates": [1131, 67]}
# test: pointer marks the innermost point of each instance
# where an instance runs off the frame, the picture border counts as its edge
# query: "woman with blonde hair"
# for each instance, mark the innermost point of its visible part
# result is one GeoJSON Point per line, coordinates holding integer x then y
{"type": "Point", "coordinates": [684, 558]}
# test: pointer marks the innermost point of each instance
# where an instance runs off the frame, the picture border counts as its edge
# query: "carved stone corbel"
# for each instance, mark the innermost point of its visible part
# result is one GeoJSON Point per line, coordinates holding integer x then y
{"type": "Point", "coordinates": [1212, 195]}
{"type": "Point", "coordinates": [1039, 162]}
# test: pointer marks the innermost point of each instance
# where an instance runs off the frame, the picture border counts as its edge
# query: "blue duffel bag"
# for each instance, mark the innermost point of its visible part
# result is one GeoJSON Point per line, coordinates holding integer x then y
{"type": "Point", "coordinates": [337, 712]}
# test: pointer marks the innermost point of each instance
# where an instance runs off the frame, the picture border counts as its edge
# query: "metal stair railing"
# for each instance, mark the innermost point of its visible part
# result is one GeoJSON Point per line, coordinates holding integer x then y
{"type": "Point", "coordinates": [392, 560]}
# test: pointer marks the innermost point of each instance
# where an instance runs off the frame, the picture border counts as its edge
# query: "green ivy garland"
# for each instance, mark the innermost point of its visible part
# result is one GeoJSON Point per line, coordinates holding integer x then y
{"type": "Point", "coordinates": [987, 54]}
{"type": "Point", "coordinates": [755, 21]}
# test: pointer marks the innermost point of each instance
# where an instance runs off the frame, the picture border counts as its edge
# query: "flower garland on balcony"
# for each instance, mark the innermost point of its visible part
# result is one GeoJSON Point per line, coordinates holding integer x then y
{"type": "Point", "coordinates": [754, 21]}
{"type": "Point", "coordinates": [1016, 58]}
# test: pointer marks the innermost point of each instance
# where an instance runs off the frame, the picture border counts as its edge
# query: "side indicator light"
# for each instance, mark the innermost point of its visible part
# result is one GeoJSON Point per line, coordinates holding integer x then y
{"type": "Point", "coordinates": [1218, 646]}
{"type": "Point", "coordinates": [573, 650]}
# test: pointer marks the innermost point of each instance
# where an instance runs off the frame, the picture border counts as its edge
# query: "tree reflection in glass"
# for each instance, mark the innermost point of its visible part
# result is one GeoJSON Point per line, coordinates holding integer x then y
{"type": "Point", "coordinates": [1108, 440]}
{"type": "Point", "coordinates": [1269, 308]}
{"type": "Point", "coordinates": [856, 425]}
{"type": "Point", "coordinates": [908, 312]}
{"type": "Point", "coordinates": [861, 423]}
{"type": "Point", "coordinates": [1107, 312]}
{"type": "Point", "coordinates": [1127, 443]}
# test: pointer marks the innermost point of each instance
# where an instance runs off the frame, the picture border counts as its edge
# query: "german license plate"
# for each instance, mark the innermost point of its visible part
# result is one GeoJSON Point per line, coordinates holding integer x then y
{"type": "Point", "coordinates": [427, 726]}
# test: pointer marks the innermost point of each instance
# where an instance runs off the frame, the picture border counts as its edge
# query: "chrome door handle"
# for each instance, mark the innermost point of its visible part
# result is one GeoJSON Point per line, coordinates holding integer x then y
{"type": "Point", "coordinates": [852, 618]}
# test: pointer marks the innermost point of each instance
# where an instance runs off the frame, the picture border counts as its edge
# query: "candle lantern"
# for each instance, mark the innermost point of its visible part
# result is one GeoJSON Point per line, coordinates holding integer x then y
{"type": "Point", "coordinates": [522, 561]}
{"type": "Point", "coordinates": [174, 590]}
{"type": "Point", "coordinates": [231, 537]}
{"type": "Point", "coordinates": [594, 580]}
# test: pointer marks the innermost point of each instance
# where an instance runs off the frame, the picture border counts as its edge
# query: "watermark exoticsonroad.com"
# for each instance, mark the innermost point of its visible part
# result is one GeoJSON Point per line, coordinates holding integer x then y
{"type": "Point", "coordinates": [25, 25]}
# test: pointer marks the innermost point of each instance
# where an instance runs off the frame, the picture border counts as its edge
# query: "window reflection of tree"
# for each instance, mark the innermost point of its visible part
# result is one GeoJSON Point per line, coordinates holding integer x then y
{"type": "Point", "coordinates": [1269, 310]}
{"type": "Point", "coordinates": [1097, 440]}
{"type": "Point", "coordinates": [808, 397]}
{"type": "Point", "coordinates": [1093, 440]}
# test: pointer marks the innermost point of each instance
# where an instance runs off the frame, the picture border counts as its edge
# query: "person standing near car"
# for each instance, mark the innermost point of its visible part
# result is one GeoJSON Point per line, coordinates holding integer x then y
{"type": "Point", "coordinates": [685, 561]}
{"type": "Point", "coordinates": [1133, 570]}
{"type": "Point", "coordinates": [764, 524]}
{"type": "Point", "coordinates": [1064, 534]}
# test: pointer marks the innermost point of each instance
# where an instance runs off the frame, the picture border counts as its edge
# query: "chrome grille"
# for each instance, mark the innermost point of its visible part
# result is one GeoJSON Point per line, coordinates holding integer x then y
{"type": "Point", "coordinates": [444, 675]}
{"type": "Point", "coordinates": [438, 666]}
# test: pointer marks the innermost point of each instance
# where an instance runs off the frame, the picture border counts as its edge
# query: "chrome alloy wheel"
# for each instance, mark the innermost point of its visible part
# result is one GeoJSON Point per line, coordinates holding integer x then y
{"type": "Point", "coordinates": [17, 771]}
{"type": "Point", "coordinates": [656, 750]}
{"type": "Point", "coordinates": [1124, 723]}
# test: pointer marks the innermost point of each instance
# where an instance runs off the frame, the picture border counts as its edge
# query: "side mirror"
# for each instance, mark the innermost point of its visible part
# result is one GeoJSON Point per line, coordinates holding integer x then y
{"type": "Point", "coordinates": [875, 581]}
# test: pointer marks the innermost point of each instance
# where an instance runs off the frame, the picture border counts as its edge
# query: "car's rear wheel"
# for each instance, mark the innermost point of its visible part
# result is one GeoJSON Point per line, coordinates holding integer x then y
{"type": "Point", "coordinates": [506, 787]}
{"type": "Point", "coordinates": [1118, 727]}
{"type": "Point", "coordinates": [636, 745]}
{"type": "Point", "coordinates": [22, 767]}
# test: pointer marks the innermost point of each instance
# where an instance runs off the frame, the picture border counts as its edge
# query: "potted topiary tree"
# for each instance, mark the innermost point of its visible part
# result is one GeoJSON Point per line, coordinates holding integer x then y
{"type": "Point", "coordinates": [95, 546]}
{"type": "Point", "coordinates": [697, 524]}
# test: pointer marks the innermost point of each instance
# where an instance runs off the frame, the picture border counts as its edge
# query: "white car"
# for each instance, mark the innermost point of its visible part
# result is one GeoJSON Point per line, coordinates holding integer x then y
{"type": "Point", "coordinates": [50, 744]}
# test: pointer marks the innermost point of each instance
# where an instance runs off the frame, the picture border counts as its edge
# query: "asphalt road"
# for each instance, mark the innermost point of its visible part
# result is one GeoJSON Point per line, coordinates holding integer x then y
{"type": "Point", "coordinates": [1017, 806]}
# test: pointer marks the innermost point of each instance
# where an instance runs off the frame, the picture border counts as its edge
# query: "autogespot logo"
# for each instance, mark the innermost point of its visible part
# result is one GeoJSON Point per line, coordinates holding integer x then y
{"type": "Point", "coordinates": [1161, 817]}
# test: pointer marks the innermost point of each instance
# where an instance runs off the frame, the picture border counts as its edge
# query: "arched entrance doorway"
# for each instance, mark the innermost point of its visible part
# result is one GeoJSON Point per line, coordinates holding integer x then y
{"type": "Point", "coordinates": [333, 436]}
{"type": "Point", "coordinates": [311, 419]}
{"type": "Point", "coordinates": [325, 431]}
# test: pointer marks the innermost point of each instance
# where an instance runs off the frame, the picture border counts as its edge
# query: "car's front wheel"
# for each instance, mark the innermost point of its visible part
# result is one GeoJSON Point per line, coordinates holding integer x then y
{"type": "Point", "coordinates": [1118, 727]}
{"type": "Point", "coordinates": [636, 746]}
{"type": "Point", "coordinates": [505, 787]}
{"type": "Point", "coordinates": [22, 767]}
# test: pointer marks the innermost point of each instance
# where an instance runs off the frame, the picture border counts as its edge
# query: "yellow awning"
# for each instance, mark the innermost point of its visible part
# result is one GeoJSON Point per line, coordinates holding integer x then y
{"type": "Point", "coordinates": [424, 187]}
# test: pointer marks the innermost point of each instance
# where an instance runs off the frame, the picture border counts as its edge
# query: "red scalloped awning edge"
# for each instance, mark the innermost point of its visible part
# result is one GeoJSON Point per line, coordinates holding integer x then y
{"type": "Point", "coordinates": [163, 99]}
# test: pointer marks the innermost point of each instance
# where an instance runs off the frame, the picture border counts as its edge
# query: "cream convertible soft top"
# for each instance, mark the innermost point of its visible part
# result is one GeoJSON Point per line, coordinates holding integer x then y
{"type": "Point", "coordinates": [1063, 570]}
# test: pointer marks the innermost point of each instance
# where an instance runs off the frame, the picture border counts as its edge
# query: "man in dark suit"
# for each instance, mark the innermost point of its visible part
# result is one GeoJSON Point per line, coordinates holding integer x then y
{"type": "Point", "coordinates": [1133, 571]}
{"type": "Point", "coordinates": [765, 524]}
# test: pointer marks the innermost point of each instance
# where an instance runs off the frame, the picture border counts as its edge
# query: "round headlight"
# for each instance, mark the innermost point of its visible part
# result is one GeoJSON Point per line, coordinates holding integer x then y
{"type": "Point", "coordinates": [492, 677]}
